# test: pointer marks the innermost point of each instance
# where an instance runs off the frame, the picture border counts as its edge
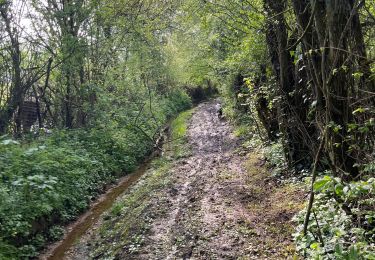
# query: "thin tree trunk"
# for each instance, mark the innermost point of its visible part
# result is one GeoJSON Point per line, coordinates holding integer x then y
{"type": "Point", "coordinates": [17, 90]}
{"type": "Point", "coordinates": [339, 84]}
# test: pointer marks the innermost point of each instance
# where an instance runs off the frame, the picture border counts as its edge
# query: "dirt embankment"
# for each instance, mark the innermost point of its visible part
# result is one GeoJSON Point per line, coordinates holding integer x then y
{"type": "Point", "coordinates": [214, 202]}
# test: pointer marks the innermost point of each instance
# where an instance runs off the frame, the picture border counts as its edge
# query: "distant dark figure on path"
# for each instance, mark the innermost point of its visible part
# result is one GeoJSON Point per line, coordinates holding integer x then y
{"type": "Point", "coordinates": [219, 111]}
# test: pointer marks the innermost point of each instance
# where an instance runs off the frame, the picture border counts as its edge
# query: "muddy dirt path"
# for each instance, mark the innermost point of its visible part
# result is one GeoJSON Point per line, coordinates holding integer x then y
{"type": "Point", "coordinates": [218, 202]}
{"type": "Point", "coordinates": [199, 201]}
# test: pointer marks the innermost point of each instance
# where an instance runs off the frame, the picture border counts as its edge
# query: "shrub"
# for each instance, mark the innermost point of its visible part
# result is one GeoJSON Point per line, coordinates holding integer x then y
{"type": "Point", "coordinates": [342, 223]}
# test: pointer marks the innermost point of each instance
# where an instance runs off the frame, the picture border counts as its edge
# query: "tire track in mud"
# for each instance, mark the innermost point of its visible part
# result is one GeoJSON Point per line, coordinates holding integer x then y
{"type": "Point", "coordinates": [208, 216]}
{"type": "Point", "coordinates": [196, 211]}
{"type": "Point", "coordinates": [219, 203]}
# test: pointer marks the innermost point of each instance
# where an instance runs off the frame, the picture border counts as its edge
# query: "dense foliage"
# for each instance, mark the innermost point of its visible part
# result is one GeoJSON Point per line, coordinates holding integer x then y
{"type": "Point", "coordinates": [85, 86]}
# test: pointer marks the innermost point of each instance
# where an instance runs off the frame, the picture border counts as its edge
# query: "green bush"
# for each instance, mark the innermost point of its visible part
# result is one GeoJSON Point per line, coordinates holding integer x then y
{"type": "Point", "coordinates": [274, 154]}
{"type": "Point", "coordinates": [332, 233]}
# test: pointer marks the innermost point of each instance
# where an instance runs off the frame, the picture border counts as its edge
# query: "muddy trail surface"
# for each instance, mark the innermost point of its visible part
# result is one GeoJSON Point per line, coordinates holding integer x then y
{"type": "Point", "coordinates": [216, 201]}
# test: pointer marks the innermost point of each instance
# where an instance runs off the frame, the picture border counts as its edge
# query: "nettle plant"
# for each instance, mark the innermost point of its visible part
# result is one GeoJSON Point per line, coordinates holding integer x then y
{"type": "Point", "coordinates": [342, 223]}
{"type": "Point", "coordinates": [276, 158]}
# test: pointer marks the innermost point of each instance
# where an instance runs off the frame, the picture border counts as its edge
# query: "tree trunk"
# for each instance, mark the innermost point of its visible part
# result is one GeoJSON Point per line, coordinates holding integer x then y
{"type": "Point", "coordinates": [291, 124]}
{"type": "Point", "coordinates": [339, 85]}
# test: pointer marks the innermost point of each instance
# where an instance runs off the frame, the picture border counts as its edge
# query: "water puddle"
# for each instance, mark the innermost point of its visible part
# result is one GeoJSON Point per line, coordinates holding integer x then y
{"type": "Point", "coordinates": [76, 230]}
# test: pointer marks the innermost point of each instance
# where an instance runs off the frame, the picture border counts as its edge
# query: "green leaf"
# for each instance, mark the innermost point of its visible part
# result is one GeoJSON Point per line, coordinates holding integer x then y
{"type": "Point", "coordinates": [364, 129]}
{"type": "Point", "coordinates": [337, 128]}
{"type": "Point", "coordinates": [9, 142]}
{"type": "Point", "coordinates": [339, 189]}
{"type": "Point", "coordinates": [320, 184]}
{"type": "Point", "coordinates": [359, 110]}
{"type": "Point", "coordinates": [314, 246]}
{"type": "Point", "coordinates": [357, 75]}
{"type": "Point", "coordinates": [338, 250]}
{"type": "Point", "coordinates": [353, 254]}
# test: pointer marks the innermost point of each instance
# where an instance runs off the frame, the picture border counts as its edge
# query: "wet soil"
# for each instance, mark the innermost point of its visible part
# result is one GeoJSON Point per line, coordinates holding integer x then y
{"type": "Point", "coordinates": [76, 230]}
{"type": "Point", "coordinates": [216, 202]}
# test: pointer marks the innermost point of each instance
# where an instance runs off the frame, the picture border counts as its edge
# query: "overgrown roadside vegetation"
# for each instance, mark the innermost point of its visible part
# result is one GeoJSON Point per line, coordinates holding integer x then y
{"type": "Point", "coordinates": [47, 182]}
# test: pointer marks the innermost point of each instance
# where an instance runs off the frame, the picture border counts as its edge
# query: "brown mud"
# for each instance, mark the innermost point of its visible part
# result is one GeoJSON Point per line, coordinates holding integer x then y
{"type": "Point", "coordinates": [216, 202]}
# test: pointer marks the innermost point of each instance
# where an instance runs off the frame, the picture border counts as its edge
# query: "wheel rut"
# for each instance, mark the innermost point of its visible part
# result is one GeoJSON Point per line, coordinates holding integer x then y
{"type": "Point", "coordinates": [218, 203]}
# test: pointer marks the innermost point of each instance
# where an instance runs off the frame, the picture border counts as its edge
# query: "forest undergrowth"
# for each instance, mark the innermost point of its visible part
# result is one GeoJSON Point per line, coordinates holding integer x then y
{"type": "Point", "coordinates": [49, 180]}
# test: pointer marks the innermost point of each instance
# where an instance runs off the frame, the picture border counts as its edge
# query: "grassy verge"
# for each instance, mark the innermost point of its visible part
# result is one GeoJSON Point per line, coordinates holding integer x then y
{"type": "Point", "coordinates": [178, 141]}
{"type": "Point", "coordinates": [274, 207]}
{"type": "Point", "coordinates": [126, 223]}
